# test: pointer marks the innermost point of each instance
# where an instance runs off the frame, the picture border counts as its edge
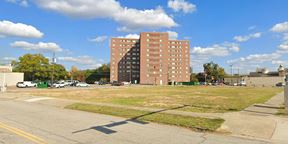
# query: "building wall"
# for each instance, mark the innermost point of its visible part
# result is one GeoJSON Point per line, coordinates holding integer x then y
{"type": "Point", "coordinates": [5, 69]}
{"type": "Point", "coordinates": [125, 60]}
{"type": "Point", "coordinates": [179, 61]}
{"type": "Point", "coordinates": [263, 81]}
{"type": "Point", "coordinates": [11, 79]}
{"type": "Point", "coordinates": [152, 59]}
{"type": "Point", "coordinates": [233, 80]}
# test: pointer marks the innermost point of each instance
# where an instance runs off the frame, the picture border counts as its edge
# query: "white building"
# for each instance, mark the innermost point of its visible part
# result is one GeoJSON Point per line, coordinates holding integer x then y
{"type": "Point", "coordinates": [9, 78]}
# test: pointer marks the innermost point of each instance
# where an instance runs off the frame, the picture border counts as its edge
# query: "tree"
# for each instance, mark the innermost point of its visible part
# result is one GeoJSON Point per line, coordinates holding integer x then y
{"type": "Point", "coordinates": [201, 77]}
{"type": "Point", "coordinates": [100, 74]}
{"type": "Point", "coordinates": [73, 72]}
{"type": "Point", "coordinates": [60, 72]}
{"type": "Point", "coordinates": [193, 78]}
{"type": "Point", "coordinates": [37, 67]}
{"type": "Point", "coordinates": [213, 72]}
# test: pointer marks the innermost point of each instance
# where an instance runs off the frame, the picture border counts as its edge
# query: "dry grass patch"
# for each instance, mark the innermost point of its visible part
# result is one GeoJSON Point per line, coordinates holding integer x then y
{"type": "Point", "coordinates": [199, 99]}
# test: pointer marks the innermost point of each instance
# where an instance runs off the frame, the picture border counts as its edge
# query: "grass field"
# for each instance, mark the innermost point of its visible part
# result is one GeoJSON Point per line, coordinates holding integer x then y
{"type": "Point", "coordinates": [194, 123]}
{"type": "Point", "coordinates": [198, 99]}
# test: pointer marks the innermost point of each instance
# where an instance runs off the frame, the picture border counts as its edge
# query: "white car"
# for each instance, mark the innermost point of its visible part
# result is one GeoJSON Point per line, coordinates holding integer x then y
{"type": "Point", "coordinates": [82, 84]}
{"type": "Point", "coordinates": [126, 83]}
{"type": "Point", "coordinates": [242, 83]}
{"type": "Point", "coordinates": [26, 84]}
{"type": "Point", "coordinates": [59, 85]}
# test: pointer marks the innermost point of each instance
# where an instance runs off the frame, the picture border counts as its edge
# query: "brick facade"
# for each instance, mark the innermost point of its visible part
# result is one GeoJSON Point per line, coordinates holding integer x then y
{"type": "Point", "coordinates": [152, 59]}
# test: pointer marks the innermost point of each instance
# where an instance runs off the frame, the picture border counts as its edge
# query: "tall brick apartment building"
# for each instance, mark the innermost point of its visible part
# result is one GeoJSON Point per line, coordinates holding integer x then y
{"type": "Point", "coordinates": [152, 59]}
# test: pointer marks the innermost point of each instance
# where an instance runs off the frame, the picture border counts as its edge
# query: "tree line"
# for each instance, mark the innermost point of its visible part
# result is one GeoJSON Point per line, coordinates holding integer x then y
{"type": "Point", "coordinates": [212, 73]}
{"type": "Point", "coordinates": [36, 67]}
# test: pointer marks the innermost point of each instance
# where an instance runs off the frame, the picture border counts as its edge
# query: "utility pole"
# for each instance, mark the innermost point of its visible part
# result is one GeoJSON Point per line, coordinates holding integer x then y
{"type": "Point", "coordinates": [231, 66]}
{"type": "Point", "coordinates": [286, 94]}
{"type": "Point", "coordinates": [53, 62]}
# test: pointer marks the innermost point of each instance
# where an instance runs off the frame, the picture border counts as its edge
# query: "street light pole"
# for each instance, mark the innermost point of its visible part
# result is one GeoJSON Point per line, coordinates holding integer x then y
{"type": "Point", "coordinates": [53, 62]}
{"type": "Point", "coordinates": [231, 66]}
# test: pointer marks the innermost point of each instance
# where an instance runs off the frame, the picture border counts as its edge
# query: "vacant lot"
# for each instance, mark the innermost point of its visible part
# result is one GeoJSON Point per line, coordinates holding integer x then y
{"type": "Point", "coordinates": [197, 99]}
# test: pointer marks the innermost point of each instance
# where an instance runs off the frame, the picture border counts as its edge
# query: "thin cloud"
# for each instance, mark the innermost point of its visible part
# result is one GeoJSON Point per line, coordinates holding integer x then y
{"type": "Point", "coordinates": [41, 46]}
{"type": "Point", "coordinates": [181, 5]}
{"type": "Point", "coordinates": [247, 37]}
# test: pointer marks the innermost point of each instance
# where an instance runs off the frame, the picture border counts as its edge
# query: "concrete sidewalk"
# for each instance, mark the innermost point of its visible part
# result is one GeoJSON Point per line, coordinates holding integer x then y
{"type": "Point", "coordinates": [259, 121]}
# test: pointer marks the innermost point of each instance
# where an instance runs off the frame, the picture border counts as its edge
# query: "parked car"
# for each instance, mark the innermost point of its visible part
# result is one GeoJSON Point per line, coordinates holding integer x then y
{"type": "Point", "coordinates": [59, 85]}
{"type": "Point", "coordinates": [115, 83]}
{"type": "Point", "coordinates": [280, 84]}
{"type": "Point", "coordinates": [26, 84]}
{"type": "Point", "coordinates": [96, 82]}
{"type": "Point", "coordinates": [74, 82]}
{"type": "Point", "coordinates": [82, 84]}
{"type": "Point", "coordinates": [203, 83]}
{"type": "Point", "coordinates": [242, 83]}
{"type": "Point", "coordinates": [125, 83]}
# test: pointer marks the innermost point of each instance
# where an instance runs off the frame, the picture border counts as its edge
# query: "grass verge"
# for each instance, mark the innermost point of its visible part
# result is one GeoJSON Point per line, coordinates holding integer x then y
{"type": "Point", "coordinates": [194, 123]}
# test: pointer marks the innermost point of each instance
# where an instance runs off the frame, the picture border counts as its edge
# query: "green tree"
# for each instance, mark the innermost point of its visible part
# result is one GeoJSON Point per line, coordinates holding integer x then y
{"type": "Point", "coordinates": [60, 72]}
{"type": "Point", "coordinates": [37, 67]}
{"type": "Point", "coordinates": [102, 73]}
{"type": "Point", "coordinates": [213, 72]}
{"type": "Point", "coordinates": [193, 78]}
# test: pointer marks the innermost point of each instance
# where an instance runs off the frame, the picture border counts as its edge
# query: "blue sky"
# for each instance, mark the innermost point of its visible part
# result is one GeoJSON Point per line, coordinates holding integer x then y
{"type": "Point", "coordinates": [245, 33]}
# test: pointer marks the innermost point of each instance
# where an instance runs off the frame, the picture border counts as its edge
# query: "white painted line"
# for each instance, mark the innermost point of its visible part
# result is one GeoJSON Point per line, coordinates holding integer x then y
{"type": "Point", "coordinates": [38, 99]}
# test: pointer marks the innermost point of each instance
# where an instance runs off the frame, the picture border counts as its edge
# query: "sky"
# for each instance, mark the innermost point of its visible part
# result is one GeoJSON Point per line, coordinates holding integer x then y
{"type": "Point", "coordinates": [243, 33]}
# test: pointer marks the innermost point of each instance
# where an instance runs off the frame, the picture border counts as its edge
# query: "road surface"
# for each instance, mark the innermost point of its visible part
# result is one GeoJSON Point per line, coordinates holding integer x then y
{"type": "Point", "coordinates": [30, 122]}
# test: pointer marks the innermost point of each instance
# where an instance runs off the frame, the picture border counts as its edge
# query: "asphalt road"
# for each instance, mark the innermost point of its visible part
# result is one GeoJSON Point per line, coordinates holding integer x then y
{"type": "Point", "coordinates": [29, 122]}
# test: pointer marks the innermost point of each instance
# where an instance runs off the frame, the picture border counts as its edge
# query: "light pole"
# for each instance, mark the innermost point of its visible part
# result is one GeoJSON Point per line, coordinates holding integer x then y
{"type": "Point", "coordinates": [286, 94]}
{"type": "Point", "coordinates": [53, 62]}
{"type": "Point", "coordinates": [231, 66]}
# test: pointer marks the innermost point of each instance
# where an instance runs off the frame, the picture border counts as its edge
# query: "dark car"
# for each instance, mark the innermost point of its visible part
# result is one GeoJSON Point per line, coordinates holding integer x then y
{"type": "Point", "coordinates": [115, 83]}
{"type": "Point", "coordinates": [101, 83]}
{"type": "Point", "coordinates": [280, 84]}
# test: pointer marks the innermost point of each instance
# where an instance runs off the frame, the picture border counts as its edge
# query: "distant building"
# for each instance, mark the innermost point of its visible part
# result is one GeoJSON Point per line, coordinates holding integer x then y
{"type": "Point", "coordinates": [152, 59]}
{"type": "Point", "coordinates": [261, 77]}
{"type": "Point", "coordinates": [5, 68]}
{"type": "Point", "coordinates": [9, 78]}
